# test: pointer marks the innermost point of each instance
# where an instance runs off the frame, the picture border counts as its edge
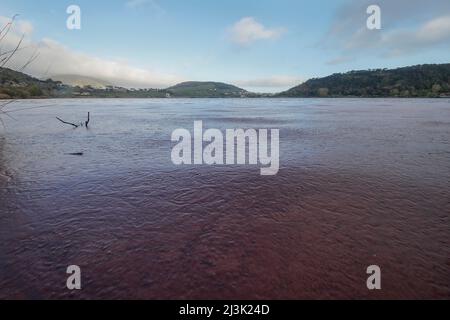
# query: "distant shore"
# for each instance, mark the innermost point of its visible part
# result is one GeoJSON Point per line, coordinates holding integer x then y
{"type": "Point", "coordinates": [194, 98]}
{"type": "Point", "coordinates": [420, 81]}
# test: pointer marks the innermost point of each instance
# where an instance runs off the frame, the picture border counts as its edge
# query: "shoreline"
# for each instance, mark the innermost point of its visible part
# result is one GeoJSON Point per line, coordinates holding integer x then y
{"type": "Point", "coordinates": [225, 98]}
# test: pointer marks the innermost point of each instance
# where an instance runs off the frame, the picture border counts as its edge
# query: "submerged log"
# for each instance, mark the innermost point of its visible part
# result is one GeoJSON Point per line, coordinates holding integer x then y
{"type": "Point", "coordinates": [75, 154]}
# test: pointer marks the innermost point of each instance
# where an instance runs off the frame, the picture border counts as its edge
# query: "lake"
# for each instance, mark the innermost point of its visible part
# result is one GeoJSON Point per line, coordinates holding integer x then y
{"type": "Point", "coordinates": [361, 182]}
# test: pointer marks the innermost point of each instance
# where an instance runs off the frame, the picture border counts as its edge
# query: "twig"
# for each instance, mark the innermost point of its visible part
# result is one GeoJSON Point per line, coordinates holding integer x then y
{"type": "Point", "coordinates": [48, 69]}
{"type": "Point", "coordinates": [14, 51]}
{"type": "Point", "coordinates": [8, 27]}
{"type": "Point", "coordinates": [8, 52]}
{"type": "Point", "coordinates": [6, 103]}
{"type": "Point", "coordinates": [88, 119]}
{"type": "Point", "coordinates": [30, 60]}
{"type": "Point", "coordinates": [65, 122]}
{"type": "Point", "coordinates": [30, 108]}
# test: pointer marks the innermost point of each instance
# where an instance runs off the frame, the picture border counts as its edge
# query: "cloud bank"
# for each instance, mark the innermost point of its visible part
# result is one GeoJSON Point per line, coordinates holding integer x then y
{"type": "Point", "coordinates": [55, 58]}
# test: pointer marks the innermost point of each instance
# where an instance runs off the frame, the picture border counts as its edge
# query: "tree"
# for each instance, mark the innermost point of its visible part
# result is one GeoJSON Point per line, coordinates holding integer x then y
{"type": "Point", "coordinates": [436, 88]}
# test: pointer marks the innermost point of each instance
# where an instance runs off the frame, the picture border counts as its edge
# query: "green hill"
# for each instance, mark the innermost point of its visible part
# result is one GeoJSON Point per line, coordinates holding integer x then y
{"type": "Point", "coordinates": [17, 85]}
{"type": "Point", "coordinates": [195, 89]}
{"type": "Point", "coordinates": [430, 80]}
{"type": "Point", "coordinates": [14, 84]}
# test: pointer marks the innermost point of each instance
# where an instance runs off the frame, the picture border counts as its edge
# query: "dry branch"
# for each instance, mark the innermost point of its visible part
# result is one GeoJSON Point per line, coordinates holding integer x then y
{"type": "Point", "coordinates": [7, 27]}
{"type": "Point", "coordinates": [33, 57]}
{"type": "Point", "coordinates": [86, 123]}
{"type": "Point", "coordinates": [6, 103]}
{"type": "Point", "coordinates": [69, 123]}
{"type": "Point", "coordinates": [14, 51]}
{"type": "Point", "coordinates": [6, 57]}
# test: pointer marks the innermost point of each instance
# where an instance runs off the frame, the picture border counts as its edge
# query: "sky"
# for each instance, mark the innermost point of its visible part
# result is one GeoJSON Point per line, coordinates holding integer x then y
{"type": "Point", "coordinates": [259, 45]}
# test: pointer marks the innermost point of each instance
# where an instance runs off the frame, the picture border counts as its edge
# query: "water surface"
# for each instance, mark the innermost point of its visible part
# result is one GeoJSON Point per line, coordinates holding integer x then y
{"type": "Point", "coordinates": [361, 182]}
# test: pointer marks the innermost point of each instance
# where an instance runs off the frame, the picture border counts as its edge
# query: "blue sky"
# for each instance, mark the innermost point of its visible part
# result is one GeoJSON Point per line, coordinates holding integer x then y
{"type": "Point", "coordinates": [257, 44]}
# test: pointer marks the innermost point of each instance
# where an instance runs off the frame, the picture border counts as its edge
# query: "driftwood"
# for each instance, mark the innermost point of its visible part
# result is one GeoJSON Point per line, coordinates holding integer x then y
{"type": "Point", "coordinates": [86, 123]}
{"type": "Point", "coordinates": [65, 122]}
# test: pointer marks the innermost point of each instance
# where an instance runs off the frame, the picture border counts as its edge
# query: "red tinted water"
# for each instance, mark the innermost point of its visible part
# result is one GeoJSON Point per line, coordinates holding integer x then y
{"type": "Point", "coordinates": [362, 182]}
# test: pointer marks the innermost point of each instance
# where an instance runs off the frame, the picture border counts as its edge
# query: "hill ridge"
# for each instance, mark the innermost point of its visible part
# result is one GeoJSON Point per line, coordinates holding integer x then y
{"type": "Point", "coordinates": [426, 80]}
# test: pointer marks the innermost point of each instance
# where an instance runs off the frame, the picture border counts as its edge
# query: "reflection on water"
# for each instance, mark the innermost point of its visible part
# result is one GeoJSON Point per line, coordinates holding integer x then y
{"type": "Point", "coordinates": [361, 182]}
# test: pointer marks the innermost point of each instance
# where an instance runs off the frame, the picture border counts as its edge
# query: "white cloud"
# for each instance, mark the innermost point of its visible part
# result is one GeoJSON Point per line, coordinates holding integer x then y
{"type": "Point", "coordinates": [435, 30]}
{"type": "Point", "coordinates": [54, 58]}
{"type": "Point", "coordinates": [248, 30]}
{"type": "Point", "coordinates": [429, 34]}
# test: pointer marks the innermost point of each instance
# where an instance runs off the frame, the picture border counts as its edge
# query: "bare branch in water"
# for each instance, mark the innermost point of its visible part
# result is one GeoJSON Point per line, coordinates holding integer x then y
{"type": "Point", "coordinates": [86, 123]}
{"type": "Point", "coordinates": [88, 119]}
{"type": "Point", "coordinates": [69, 123]}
